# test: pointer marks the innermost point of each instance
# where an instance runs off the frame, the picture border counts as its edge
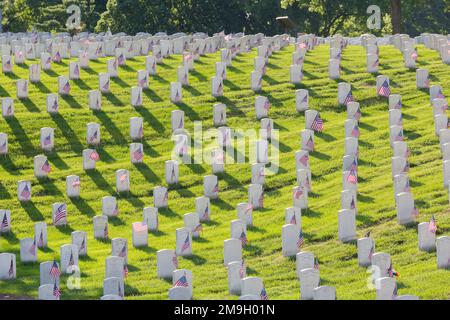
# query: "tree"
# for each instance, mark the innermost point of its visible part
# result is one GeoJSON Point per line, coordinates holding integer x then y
{"type": "Point", "coordinates": [396, 16]}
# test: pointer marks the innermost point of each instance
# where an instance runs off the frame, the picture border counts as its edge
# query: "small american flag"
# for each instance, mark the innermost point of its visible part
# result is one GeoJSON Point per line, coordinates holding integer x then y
{"type": "Point", "coordinates": [367, 235]}
{"type": "Point", "coordinates": [60, 213]}
{"type": "Point", "coordinates": [94, 156]}
{"type": "Point", "coordinates": [57, 57]}
{"type": "Point", "coordinates": [25, 194]}
{"type": "Point", "coordinates": [394, 292]}
{"type": "Point", "coordinates": [5, 223]}
{"type": "Point", "coordinates": [310, 143]}
{"type": "Point", "coordinates": [140, 227]}
{"type": "Point", "coordinates": [41, 240]}
{"type": "Point", "coordinates": [415, 211]}
{"type": "Point", "coordinates": [304, 160]}
{"type": "Point", "coordinates": [293, 219]}
{"type": "Point", "coordinates": [123, 178]}
{"type": "Point", "coordinates": [261, 200]}
{"type": "Point", "coordinates": [316, 263]}
{"type": "Point", "coordinates": [243, 238]}
{"type": "Point", "coordinates": [198, 228]}
{"type": "Point", "coordinates": [355, 132]}
{"type": "Point", "coordinates": [123, 252]}
{"type": "Point", "coordinates": [119, 289]}
{"type": "Point", "coordinates": [66, 87]}
{"type": "Point", "coordinates": [94, 136]}
{"type": "Point", "coordinates": [105, 231]}
{"type": "Point", "coordinates": [175, 261]}
{"type": "Point", "coordinates": [125, 270]}
{"type": "Point", "coordinates": [300, 240]}
{"type": "Point", "coordinates": [206, 213]}
{"type": "Point", "coordinates": [138, 154]}
{"type": "Point", "coordinates": [48, 140]}
{"type": "Point", "coordinates": [46, 167]}
{"type": "Point", "coordinates": [186, 244]}
{"type": "Point", "coordinates": [32, 249]}
{"type": "Point", "coordinates": [71, 260]}
{"type": "Point", "coordinates": [298, 192]}
{"type": "Point", "coordinates": [216, 188]}
{"type": "Point", "coordinates": [181, 282]}
{"type": "Point", "coordinates": [354, 165]}
{"type": "Point", "coordinates": [352, 204]}
{"type": "Point", "coordinates": [414, 55]}
{"type": "Point", "coordinates": [121, 58]}
{"type": "Point", "coordinates": [82, 245]}
{"type": "Point", "coordinates": [264, 294]}
{"type": "Point", "coordinates": [426, 82]}
{"type": "Point", "coordinates": [76, 183]}
{"type": "Point", "coordinates": [141, 131]}
{"type": "Point", "coordinates": [76, 71]}
{"type": "Point", "coordinates": [242, 269]}
{"type": "Point", "coordinates": [106, 86]}
{"type": "Point", "coordinates": [249, 208]}
{"type": "Point", "coordinates": [54, 270]}
{"type": "Point", "coordinates": [371, 252]}
{"type": "Point", "coordinates": [376, 63]}
{"type": "Point", "coordinates": [352, 178]}
{"type": "Point", "coordinates": [349, 98]}
{"type": "Point", "coordinates": [407, 187]}
{"type": "Point", "coordinates": [432, 226]}
{"type": "Point", "coordinates": [440, 95]}
{"type": "Point", "coordinates": [317, 124]}
{"type": "Point", "coordinates": [384, 90]}
{"type": "Point", "coordinates": [56, 291]}
{"type": "Point", "coordinates": [391, 272]}
{"type": "Point", "coordinates": [55, 104]}
{"type": "Point", "coordinates": [11, 268]}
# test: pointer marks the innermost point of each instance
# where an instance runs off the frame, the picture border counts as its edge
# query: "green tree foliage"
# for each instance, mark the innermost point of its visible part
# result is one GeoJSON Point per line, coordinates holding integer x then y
{"type": "Point", "coordinates": [322, 17]}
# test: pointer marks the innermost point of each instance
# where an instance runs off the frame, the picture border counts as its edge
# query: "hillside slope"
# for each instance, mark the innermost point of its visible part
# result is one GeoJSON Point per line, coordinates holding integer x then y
{"type": "Point", "coordinates": [338, 262]}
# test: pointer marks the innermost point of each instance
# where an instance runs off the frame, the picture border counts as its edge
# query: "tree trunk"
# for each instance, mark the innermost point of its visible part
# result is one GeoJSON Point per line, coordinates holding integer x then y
{"type": "Point", "coordinates": [396, 16]}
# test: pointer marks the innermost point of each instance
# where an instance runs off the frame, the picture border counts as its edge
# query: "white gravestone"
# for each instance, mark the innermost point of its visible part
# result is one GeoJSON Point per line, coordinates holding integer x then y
{"type": "Point", "coordinates": [47, 138]}
{"type": "Point", "coordinates": [290, 235]}
{"type": "Point", "coordinates": [309, 280]}
{"type": "Point", "coordinates": [245, 213]}
{"type": "Point", "coordinates": [236, 271]}
{"type": "Point", "coordinates": [203, 208]}
{"type": "Point", "coordinates": [427, 237]}
{"type": "Point", "coordinates": [366, 249]}
{"type": "Point", "coordinates": [150, 218]}
{"type": "Point", "coordinates": [49, 273]}
{"type": "Point", "coordinates": [324, 293]}
{"type": "Point", "coordinates": [167, 262]}
{"type": "Point", "coordinates": [232, 250]}
{"type": "Point", "coordinates": [69, 258]}
{"type": "Point", "coordinates": [119, 248]}
{"type": "Point", "coordinates": [28, 250]}
{"type": "Point", "coordinates": [136, 128]}
{"type": "Point", "coordinates": [160, 197]}
{"type": "Point", "coordinates": [136, 96]}
{"type": "Point", "coordinates": [79, 238]}
{"type": "Point", "coordinates": [100, 225]}
{"type": "Point", "coordinates": [139, 234]}
{"type": "Point", "coordinates": [40, 234]}
{"type": "Point", "coordinates": [24, 190]}
{"type": "Point", "coordinates": [301, 100]}
{"type": "Point", "coordinates": [347, 225]}
{"type": "Point", "coordinates": [122, 180]}
{"type": "Point", "coordinates": [114, 267]}
{"type": "Point", "coordinates": [113, 286]}
{"type": "Point", "coordinates": [256, 196]}
{"type": "Point", "coordinates": [52, 103]}
{"type": "Point", "coordinates": [443, 252]}
{"type": "Point", "coordinates": [7, 266]}
{"type": "Point", "coordinates": [110, 207]}
{"type": "Point", "coordinates": [406, 209]}
{"type": "Point", "coordinates": [183, 242]}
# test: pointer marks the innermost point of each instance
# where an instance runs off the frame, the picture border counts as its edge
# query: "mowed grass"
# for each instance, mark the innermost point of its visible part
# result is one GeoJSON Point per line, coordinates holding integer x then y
{"type": "Point", "coordinates": [338, 262]}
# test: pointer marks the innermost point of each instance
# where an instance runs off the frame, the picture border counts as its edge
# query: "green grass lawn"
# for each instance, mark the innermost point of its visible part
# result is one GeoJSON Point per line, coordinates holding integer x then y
{"type": "Point", "coordinates": [338, 262]}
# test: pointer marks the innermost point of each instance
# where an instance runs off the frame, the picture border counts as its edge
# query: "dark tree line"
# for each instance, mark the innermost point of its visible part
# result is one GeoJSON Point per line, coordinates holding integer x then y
{"type": "Point", "coordinates": [322, 17]}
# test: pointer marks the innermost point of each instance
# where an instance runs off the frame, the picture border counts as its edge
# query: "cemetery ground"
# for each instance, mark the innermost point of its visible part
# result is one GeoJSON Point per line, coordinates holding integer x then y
{"type": "Point", "coordinates": [418, 273]}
